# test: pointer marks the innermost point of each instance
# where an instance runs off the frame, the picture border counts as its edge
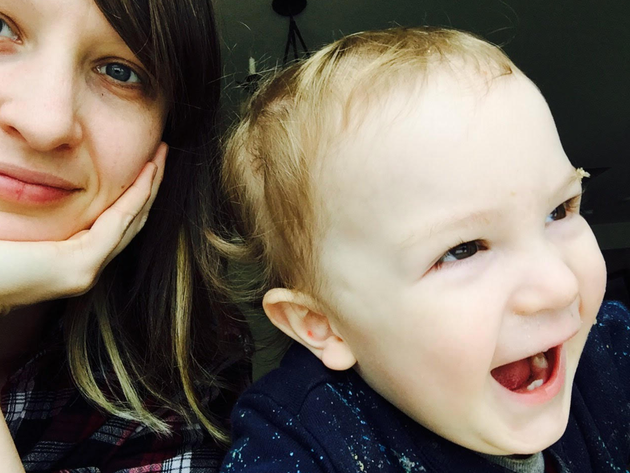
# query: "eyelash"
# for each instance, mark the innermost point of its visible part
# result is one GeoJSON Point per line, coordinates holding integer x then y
{"type": "Point", "coordinates": [568, 207]}
{"type": "Point", "coordinates": [6, 23]}
{"type": "Point", "coordinates": [565, 209]}
{"type": "Point", "coordinates": [143, 82]}
{"type": "Point", "coordinates": [479, 246]}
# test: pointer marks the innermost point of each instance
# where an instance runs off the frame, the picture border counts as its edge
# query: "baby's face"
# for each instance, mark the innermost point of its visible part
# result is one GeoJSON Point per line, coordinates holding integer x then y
{"type": "Point", "coordinates": [456, 248]}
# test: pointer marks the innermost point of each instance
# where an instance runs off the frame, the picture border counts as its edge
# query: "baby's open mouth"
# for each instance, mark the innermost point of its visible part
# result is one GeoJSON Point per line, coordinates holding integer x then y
{"type": "Point", "coordinates": [528, 374]}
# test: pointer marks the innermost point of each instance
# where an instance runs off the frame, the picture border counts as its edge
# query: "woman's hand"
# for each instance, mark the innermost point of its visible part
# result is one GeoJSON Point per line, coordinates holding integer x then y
{"type": "Point", "coordinates": [9, 458]}
{"type": "Point", "coordinates": [32, 272]}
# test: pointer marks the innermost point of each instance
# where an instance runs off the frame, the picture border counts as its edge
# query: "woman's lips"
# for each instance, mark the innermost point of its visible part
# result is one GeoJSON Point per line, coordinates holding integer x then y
{"type": "Point", "coordinates": [28, 187]}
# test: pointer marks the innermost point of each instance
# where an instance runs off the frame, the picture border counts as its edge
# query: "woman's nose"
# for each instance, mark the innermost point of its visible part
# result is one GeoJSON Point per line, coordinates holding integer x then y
{"type": "Point", "coordinates": [545, 280]}
{"type": "Point", "coordinates": [39, 105]}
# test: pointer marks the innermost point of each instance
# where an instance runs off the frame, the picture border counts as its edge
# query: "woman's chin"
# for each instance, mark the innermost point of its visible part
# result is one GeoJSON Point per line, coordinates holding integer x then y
{"type": "Point", "coordinates": [35, 228]}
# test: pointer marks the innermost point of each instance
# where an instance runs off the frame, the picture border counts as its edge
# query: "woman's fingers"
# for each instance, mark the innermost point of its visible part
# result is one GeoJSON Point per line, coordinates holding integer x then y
{"type": "Point", "coordinates": [140, 217]}
{"type": "Point", "coordinates": [31, 272]}
{"type": "Point", "coordinates": [24, 268]}
{"type": "Point", "coordinates": [121, 222]}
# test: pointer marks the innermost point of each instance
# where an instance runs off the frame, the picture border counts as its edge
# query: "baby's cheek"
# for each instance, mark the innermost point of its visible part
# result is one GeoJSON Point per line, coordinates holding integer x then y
{"type": "Point", "coordinates": [463, 365]}
{"type": "Point", "coordinates": [592, 275]}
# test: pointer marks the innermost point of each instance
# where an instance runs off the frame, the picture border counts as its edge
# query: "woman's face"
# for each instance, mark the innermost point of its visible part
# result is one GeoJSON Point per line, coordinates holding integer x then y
{"type": "Point", "coordinates": [77, 118]}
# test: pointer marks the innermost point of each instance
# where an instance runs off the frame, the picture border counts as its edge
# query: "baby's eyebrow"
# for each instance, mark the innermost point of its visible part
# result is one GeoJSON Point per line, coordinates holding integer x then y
{"type": "Point", "coordinates": [468, 219]}
{"type": "Point", "coordinates": [573, 178]}
{"type": "Point", "coordinates": [482, 218]}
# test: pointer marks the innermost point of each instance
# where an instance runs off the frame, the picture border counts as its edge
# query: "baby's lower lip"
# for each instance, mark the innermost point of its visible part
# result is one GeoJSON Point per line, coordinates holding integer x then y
{"type": "Point", "coordinates": [549, 388]}
{"type": "Point", "coordinates": [15, 190]}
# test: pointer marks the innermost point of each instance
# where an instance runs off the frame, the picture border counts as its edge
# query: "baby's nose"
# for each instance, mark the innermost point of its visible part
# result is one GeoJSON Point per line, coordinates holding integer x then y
{"type": "Point", "coordinates": [545, 281]}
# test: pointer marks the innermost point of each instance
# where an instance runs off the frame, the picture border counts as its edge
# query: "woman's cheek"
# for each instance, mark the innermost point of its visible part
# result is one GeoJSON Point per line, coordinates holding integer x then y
{"type": "Point", "coordinates": [122, 153]}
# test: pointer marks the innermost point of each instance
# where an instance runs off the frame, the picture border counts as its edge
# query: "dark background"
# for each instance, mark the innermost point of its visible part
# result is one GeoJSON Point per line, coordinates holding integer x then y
{"type": "Point", "coordinates": [576, 51]}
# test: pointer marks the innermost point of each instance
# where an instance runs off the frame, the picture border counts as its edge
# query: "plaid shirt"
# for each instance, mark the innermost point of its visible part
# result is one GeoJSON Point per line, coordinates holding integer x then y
{"type": "Point", "coordinates": [55, 429]}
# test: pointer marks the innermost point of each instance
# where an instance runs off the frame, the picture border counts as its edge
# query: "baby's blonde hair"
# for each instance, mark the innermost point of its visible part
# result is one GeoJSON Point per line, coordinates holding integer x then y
{"type": "Point", "coordinates": [274, 154]}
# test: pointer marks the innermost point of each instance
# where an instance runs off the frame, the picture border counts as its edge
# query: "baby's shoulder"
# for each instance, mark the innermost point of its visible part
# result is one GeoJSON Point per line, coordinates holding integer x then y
{"type": "Point", "coordinates": [306, 395]}
{"type": "Point", "coordinates": [296, 383]}
{"type": "Point", "coordinates": [613, 313]}
{"type": "Point", "coordinates": [305, 417]}
{"type": "Point", "coordinates": [600, 406]}
{"type": "Point", "coordinates": [606, 355]}
{"type": "Point", "coordinates": [610, 335]}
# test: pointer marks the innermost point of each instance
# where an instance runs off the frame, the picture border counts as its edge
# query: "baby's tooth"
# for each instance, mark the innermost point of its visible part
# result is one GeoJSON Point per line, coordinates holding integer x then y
{"type": "Point", "coordinates": [535, 384]}
{"type": "Point", "coordinates": [540, 361]}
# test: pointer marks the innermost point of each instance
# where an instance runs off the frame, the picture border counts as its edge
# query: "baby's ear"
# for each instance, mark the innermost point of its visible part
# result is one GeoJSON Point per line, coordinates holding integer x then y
{"type": "Point", "coordinates": [296, 314]}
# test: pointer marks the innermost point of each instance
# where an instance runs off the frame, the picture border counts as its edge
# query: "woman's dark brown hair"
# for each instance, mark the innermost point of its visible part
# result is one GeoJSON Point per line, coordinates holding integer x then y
{"type": "Point", "coordinates": [153, 327]}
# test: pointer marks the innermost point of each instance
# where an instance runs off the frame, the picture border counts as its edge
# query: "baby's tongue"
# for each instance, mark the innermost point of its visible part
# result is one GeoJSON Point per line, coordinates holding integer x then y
{"type": "Point", "coordinates": [513, 375]}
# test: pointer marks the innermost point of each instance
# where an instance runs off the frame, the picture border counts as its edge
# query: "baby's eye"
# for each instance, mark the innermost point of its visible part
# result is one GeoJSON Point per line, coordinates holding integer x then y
{"type": "Point", "coordinates": [460, 252]}
{"type": "Point", "coordinates": [563, 209]}
{"type": "Point", "coordinates": [6, 31]}
{"type": "Point", "coordinates": [120, 72]}
{"type": "Point", "coordinates": [558, 213]}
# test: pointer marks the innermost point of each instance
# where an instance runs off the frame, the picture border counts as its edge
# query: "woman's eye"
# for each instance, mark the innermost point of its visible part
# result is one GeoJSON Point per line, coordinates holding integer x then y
{"type": "Point", "coordinates": [460, 252]}
{"type": "Point", "coordinates": [120, 73]}
{"type": "Point", "coordinates": [6, 31]}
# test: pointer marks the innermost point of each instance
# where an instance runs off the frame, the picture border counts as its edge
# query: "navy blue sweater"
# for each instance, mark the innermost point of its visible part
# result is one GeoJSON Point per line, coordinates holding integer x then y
{"type": "Point", "coordinates": [305, 418]}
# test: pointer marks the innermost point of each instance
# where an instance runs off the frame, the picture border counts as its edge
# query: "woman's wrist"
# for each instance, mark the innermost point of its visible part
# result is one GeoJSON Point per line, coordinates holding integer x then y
{"type": "Point", "coordinates": [9, 457]}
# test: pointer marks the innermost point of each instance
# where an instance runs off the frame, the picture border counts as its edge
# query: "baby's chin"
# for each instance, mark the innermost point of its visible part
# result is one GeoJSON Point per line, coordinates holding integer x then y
{"type": "Point", "coordinates": [490, 431]}
{"type": "Point", "coordinates": [526, 440]}
{"type": "Point", "coordinates": [529, 446]}
{"type": "Point", "coordinates": [521, 445]}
